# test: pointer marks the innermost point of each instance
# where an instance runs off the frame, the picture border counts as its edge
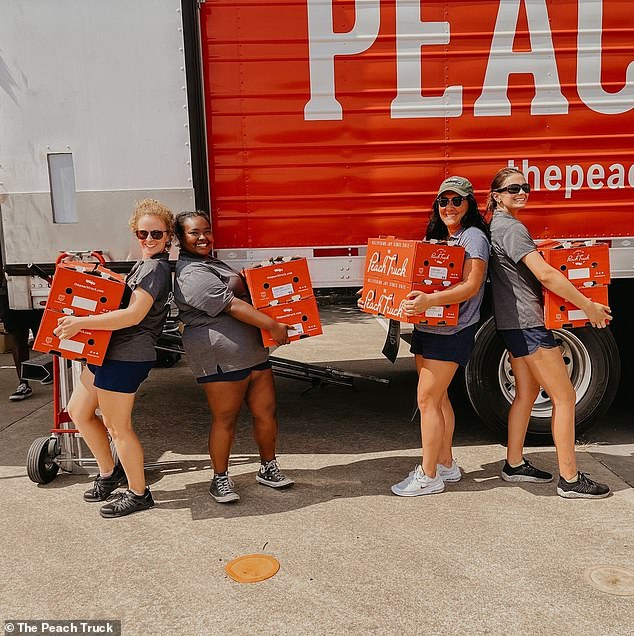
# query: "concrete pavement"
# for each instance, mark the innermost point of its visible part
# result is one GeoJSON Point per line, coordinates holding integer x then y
{"type": "Point", "coordinates": [484, 557]}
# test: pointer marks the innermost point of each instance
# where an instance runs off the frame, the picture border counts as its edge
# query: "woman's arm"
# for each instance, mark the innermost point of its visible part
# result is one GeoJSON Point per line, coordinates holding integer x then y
{"type": "Point", "coordinates": [473, 274]}
{"type": "Point", "coordinates": [133, 314]}
{"type": "Point", "coordinates": [556, 282]}
{"type": "Point", "coordinates": [246, 313]}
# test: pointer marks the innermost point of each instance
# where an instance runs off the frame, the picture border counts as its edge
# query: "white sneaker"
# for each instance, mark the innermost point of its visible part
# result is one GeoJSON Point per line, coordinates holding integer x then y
{"type": "Point", "coordinates": [418, 483]}
{"type": "Point", "coordinates": [449, 475]}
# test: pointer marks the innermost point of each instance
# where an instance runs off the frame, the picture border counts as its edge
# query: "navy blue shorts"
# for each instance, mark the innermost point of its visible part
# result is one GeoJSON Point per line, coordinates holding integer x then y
{"type": "Point", "coordinates": [523, 342]}
{"type": "Point", "coordinates": [120, 376]}
{"type": "Point", "coordinates": [455, 347]}
{"type": "Point", "coordinates": [233, 376]}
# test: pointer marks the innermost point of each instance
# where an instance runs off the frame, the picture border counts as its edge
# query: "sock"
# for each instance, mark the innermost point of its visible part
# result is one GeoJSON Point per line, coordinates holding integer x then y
{"type": "Point", "coordinates": [138, 494]}
{"type": "Point", "coordinates": [106, 475]}
{"type": "Point", "coordinates": [517, 465]}
{"type": "Point", "coordinates": [574, 480]}
{"type": "Point", "coordinates": [221, 474]}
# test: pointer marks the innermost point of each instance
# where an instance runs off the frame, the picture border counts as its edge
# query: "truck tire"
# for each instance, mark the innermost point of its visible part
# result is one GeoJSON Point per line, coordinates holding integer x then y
{"type": "Point", "coordinates": [591, 357]}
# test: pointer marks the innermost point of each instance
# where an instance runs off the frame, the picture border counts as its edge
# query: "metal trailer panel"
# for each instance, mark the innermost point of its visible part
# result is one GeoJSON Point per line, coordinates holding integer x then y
{"type": "Point", "coordinates": [280, 180]}
{"type": "Point", "coordinates": [106, 82]}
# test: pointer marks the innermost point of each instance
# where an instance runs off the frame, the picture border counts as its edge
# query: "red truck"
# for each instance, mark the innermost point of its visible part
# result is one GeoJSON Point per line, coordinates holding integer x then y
{"type": "Point", "coordinates": [307, 126]}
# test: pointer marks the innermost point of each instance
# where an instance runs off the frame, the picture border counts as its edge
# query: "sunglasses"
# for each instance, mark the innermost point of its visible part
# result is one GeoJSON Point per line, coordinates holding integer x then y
{"type": "Point", "coordinates": [515, 188]}
{"type": "Point", "coordinates": [443, 202]}
{"type": "Point", "coordinates": [157, 235]}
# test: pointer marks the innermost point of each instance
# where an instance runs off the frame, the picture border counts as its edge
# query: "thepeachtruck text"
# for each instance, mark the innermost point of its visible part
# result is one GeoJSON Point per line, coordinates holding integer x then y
{"type": "Point", "coordinates": [62, 627]}
{"type": "Point", "coordinates": [575, 177]}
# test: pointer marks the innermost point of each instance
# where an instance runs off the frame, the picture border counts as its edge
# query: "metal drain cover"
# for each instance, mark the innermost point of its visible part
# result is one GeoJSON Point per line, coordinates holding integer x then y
{"type": "Point", "coordinates": [611, 579]}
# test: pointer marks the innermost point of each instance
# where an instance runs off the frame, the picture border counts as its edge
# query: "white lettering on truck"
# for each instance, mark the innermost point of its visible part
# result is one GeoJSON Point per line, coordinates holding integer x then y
{"type": "Point", "coordinates": [572, 177]}
{"type": "Point", "coordinates": [411, 34]}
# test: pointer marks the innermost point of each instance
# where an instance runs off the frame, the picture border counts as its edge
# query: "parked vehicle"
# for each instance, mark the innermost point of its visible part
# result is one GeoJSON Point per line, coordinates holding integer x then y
{"type": "Point", "coordinates": [307, 126]}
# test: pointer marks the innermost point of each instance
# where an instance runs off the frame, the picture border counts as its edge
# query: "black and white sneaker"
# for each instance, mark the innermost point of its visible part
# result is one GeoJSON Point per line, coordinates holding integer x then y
{"type": "Point", "coordinates": [270, 475]}
{"type": "Point", "coordinates": [525, 472]}
{"type": "Point", "coordinates": [21, 393]}
{"type": "Point", "coordinates": [103, 487]}
{"type": "Point", "coordinates": [583, 488]}
{"type": "Point", "coordinates": [126, 503]}
{"type": "Point", "coordinates": [221, 489]}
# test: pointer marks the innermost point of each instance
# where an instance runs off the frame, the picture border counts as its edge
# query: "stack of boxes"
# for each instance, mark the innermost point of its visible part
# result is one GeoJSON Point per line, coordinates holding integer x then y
{"type": "Point", "coordinates": [395, 267]}
{"type": "Point", "coordinates": [586, 264]}
{"type": "Point", "coordinates": [79, 289]}
{"type": "Point", "coordinates": [282, 289]}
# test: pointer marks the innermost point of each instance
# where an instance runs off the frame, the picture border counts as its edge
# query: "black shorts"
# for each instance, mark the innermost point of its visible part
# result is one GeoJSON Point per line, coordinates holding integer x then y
{"type": "Point", "coordinates": [455, 347]}
{"type": "Point", "coordinates": [233, 376]}
{"type": "Point", "coordinates": [16, 320]}
{"type": "Point", "coordinates": [523, 342]}
{"type": "Point", "coordinates": [120, 376]}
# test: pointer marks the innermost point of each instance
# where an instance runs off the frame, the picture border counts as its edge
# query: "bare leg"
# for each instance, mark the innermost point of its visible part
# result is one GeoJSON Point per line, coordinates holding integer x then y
{"type": "Point", "coordinates": [547, 366]}
{"type": "Point", "coordinates": [260, 399]}
{"type": "Point", "coordinates": [526, 392]}
{"type": "Point", "coordinates": [224, 400]}
{"type": "Point", "coordinates": [446, 453]}
{"type": "Point", "coordinates": [81, 408]}
{"type": "Point", "coordinates": [434, 378]}
{"type": "Point", "coordinates": [116, 409]}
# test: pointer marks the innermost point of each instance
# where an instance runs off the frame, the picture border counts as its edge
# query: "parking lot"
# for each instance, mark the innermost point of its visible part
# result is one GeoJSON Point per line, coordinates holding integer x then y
{"type": "Point", "coordinates": [484, 557]}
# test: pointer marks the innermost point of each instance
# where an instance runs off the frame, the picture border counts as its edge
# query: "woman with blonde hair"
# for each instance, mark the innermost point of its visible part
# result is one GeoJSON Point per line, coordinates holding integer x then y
{"type": "Point", "coordinates": [518, 273]}
{"type": "Point", "coordinates": [130, 356]}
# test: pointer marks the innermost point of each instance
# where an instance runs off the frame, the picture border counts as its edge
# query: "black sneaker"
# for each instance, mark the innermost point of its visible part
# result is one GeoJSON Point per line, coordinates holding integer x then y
{"type": "Point", "coordinates": [525, 472]}
{"type": "Point", "coordinates": [270, 475]}
{"type": "Point", "coordinates": [583, 488]}
{"type": "Point", "coordinates": [126, 503]}
{"type": "Point", "coordinates": [21, 393]}
{"type": "Point", "coordinates": [221, 489]}
{"type": "Point", "coordinates": [103, 487]}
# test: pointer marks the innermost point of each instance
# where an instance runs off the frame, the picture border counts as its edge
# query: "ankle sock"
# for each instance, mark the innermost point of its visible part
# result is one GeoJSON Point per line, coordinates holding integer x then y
{"type": "Point", "coordinates": [574, 480]}
{"type": "Point", "coordinates": [516, 465]}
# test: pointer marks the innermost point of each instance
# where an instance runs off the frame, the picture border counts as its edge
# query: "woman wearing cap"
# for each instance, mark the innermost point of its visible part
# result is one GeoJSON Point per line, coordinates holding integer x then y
{"type": "Point", "coordinates": [440, 350]}
{"type": "Point", "coordinates": [224, 349]}
{"type": "Point", "coordinates": [518, 273]}
{"type": "Point", "coordinates": [130, 356]}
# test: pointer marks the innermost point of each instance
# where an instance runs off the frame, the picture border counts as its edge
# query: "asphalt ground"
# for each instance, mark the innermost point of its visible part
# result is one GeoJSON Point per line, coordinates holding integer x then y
{"type": "Point", "coordinates": [484, 557]}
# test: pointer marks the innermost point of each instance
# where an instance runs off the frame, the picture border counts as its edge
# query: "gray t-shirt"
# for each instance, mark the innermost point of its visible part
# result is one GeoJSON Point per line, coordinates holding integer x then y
{"type": "Point", "coordinates": [136, 343]}
{"type": "Point", "coordinates": [476, 245]}
{"type": "Point", "coordinates": [517, 294]}
{"type": "Point", "coordinates": [214, 341]}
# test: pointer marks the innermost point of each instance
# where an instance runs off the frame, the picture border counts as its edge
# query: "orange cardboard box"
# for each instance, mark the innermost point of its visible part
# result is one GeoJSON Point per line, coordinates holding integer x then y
{"type": "Point", "coordinates": [584, 263]}
{"type": "Point", "coordinates": [302, 315]}
{"type": "Point", "coordinates": [85, 289]}
{"type": "Point", "coordinates": [279, 282]}
{"type": "Point", "coordinates": [387, 297]}
{"type": "Point", "coordinates": [560, 313]}
{"type": "Point", "coordinates": [88, 345]}
{"type": "Point", "coordinates": [414, 261]}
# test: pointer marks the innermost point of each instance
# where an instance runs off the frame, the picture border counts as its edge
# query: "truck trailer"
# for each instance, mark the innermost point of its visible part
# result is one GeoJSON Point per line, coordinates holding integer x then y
{"type": "Point", "coordinates": [306, 126]}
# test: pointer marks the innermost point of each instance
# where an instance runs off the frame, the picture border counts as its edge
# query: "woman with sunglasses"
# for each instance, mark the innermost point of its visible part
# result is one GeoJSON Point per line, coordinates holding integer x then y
{"type": "Point", "coordinates": [439, 351]}
{"type": "Point", "coordinates": [224, 349]}
{"type": "Point", "coordinates": [518, 272]}
{"type": "Point", "coordinates": [130, 356]}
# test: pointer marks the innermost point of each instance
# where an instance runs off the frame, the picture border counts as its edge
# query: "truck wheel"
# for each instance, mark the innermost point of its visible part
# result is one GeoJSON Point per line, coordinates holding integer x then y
{"type": "Point", "coordinates": [40, 463]}
{"type": "Point", "coordinates": [592, 360]}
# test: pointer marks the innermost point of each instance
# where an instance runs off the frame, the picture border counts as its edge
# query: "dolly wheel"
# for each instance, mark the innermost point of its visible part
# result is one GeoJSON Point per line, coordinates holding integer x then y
{"type": "Point", "coordinates": [40, 463]}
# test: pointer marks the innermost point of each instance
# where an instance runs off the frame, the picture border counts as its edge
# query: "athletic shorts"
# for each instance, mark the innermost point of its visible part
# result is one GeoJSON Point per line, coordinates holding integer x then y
{"type": "Point", "coordinates": [455, 347]}
{"type": "Point", "coordinates": [233, 376]}
{"type": "Point", "coordinates": [523, 342]}
{"type": "Point", "coordinates": [120, 376]}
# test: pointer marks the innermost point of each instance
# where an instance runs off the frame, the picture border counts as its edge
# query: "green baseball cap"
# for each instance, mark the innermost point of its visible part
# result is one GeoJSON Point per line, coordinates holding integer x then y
{"type": "Point", "coordinates": [459, 185]}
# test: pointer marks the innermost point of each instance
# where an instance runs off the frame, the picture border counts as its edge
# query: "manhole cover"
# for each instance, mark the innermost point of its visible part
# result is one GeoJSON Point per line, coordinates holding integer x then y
{"type": "Point", "coordinates": [611, 579]}
{"type": "Point", "coordinates": [252, 568]}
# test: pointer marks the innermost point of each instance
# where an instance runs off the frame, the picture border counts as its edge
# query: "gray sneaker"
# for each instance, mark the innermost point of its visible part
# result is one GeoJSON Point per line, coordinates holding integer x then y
{"type": "Point", "coordinates": [270, 475]}
{"type": "Point", "coordinates": [418, 483]}
{"type": "Point", "coordinates": [221, 489]}
{"type": "Point", "coordinates": [451, 474]}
